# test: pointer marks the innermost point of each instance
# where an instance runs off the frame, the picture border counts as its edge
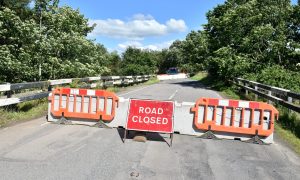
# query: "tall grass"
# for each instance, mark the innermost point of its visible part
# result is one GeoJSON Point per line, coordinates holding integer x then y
{"type": "Point", "coordinates": [23, 111]}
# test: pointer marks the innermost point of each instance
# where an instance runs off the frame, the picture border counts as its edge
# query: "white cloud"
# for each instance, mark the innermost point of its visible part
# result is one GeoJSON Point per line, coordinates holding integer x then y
{"type": "Point", "coordinates": [31, 4]}
{"type": "Point", "coordinates": [176, 25]}
{"type": "Point", "coordinates": [136, 44]}
{"type": "Point", "coordinates": [136, 28]}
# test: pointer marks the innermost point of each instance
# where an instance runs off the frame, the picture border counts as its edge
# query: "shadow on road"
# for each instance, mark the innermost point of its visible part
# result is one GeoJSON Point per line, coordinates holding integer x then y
{"type": "Point", "coordinates": [192, 83]}
{"type": "Point", "coordinates": [151, 136]}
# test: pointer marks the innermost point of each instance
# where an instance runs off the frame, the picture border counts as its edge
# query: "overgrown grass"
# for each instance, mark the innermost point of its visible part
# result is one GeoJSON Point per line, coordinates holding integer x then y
{"type": "Point", "coordinates": [290, 120]}
{"type": "Point", "coordinates": [288, 126]}
{"type": "Point", "coordinates": [114, 89]}
{"type": "Point", "coordinates": [23, 111]}
{"type": "Point", "coordinates": [287, 136]}
{"type": "Point", "coordinates": [152, 80]}
{"type": "Point", "coordinates": [199, 76]}
{"type": "Point", "coordinates": [213, 83]}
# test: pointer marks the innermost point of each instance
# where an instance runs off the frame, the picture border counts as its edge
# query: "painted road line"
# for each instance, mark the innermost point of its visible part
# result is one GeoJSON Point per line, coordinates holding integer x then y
{"type": "Point", "coordinates": [45, 123]}
{"type": "Point", "coordinates": [80, 147]}
{"type": "Point", "coordinates": [172, 96]}
{"type": "Point", "coordinates": [134, 91]}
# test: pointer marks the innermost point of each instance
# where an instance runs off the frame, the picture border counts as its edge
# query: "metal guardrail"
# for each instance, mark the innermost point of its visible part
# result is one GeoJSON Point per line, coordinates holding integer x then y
{"type": "Point", "coordinates": [36, 90]}
{"type": "Point", "coordinates": [281, 96]}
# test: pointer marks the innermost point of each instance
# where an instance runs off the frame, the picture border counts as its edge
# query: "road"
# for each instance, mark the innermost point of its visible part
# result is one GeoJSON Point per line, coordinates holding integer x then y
{"type": "Point", "coordinates": [40, 150]}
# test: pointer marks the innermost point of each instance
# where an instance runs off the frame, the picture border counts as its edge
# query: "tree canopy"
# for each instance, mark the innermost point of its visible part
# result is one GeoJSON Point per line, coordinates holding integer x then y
{"type": "Point", "coordinates": [47, 42]}
{"type": "Point", "coordinates": [258, 40]}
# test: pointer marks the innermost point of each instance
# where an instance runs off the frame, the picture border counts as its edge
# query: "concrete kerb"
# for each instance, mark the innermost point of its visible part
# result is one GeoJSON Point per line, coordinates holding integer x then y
{"type": "Point", "coordinates": [183, 121]}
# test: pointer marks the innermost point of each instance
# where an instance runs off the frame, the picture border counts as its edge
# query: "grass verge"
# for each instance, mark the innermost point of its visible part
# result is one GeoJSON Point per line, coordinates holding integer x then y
{"type": "Point", "coordinates": [288, 126]}
{"type": "Point", "coordinates": [22, 112]}
{"type": "Point", "coordinates": [152, 80]}
{"type": "Point", "coordinates": [209, 81]}
{"type": "Point", "coordinates": [287, 136]}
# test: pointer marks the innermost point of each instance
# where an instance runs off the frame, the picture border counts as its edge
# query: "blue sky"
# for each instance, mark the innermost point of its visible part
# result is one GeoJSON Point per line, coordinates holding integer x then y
{"type": "Point", "coordinates": [152, 24]}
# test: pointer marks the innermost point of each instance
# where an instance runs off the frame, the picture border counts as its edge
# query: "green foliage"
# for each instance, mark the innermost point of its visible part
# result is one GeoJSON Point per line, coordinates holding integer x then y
{"type": "Point", "coordinates": [277, 76]}
{"type": "Point", "coordinates": [52, 39]}
{"type": "Point", "coordinates": [188, 55]}
{"type": "Point", "coordinates": [199, 76]}
{"type": "Point", "coordinates": [226, 64]}
{"type": "Point", "coordinates": [258, 40]}
{"type": "Point", "coordinates": [290, 120]}
{"type": "Point", "coordinates": [138, 62]}
{"type": "Point", "coordinates": [23, 111]}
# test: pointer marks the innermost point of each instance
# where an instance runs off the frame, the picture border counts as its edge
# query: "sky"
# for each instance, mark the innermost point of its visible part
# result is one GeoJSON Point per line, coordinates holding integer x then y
{"type": "Point", "coordinates": [152, 24]}
{"type": "Point", "coordinates": [146, 24]}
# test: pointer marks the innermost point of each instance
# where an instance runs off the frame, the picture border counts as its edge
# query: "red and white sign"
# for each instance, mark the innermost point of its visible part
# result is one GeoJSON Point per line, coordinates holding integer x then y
{"type": "Point", "coordinates": [150, 115]}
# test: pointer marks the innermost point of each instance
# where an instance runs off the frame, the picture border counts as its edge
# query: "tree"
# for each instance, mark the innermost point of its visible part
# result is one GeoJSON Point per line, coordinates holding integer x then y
{"type": "Point", "coordinates": [138, 62]}
{"type": "Point", "coordinates": [49, 44]}
{"type": "Point", "coordinates": [256, 29]}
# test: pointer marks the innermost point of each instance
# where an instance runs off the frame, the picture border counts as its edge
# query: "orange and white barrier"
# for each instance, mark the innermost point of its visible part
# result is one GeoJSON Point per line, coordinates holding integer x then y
{"type": "Point", "coordinates": [233, 116]}
{"type": "Point", "coordinates": [83, 104]}
{"type": "Point", "coordinates": [228, 119]}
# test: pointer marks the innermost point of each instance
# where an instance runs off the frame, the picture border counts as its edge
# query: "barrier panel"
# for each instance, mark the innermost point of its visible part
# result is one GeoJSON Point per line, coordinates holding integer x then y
{"type": "Point", "coordinates": [83, 104]}
{"type": "Point", "coordinates": [233, 116]}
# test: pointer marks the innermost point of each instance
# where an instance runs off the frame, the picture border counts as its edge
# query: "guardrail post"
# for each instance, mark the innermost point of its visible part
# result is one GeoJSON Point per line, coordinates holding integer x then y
{"type": "Point", "coordinates": [270, 94]}
{"type": "Point", "coordinates": [49, 88]}
{"type": "Point", "coordinates": [8, 94]}
{"type": "Point", "coordinates": [104, 84]}
{"type": "Point", "coordinates": [246, 91]}
{"type": "Point", "coordinates": [290, 99]}
{"type": "Point", "coordinates": [256, 96]}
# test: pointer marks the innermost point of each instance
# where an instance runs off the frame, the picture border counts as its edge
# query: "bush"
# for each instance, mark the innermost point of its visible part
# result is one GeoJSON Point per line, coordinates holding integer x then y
{"type": "Point", "coordinates": [277, 76]}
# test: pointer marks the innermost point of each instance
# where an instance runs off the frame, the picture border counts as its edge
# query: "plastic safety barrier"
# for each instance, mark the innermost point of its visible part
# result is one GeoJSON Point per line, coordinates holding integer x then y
{"type": "Point", "coordinates": [242, 117]}
{"type": "Point", "coordinates": [83, 104]}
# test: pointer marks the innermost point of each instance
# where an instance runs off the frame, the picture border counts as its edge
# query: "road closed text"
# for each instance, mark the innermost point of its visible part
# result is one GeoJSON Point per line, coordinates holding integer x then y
{"type": "Point", "coordinates": [151, 120]}
{"type": "Point", "coordinates": [150, 115]}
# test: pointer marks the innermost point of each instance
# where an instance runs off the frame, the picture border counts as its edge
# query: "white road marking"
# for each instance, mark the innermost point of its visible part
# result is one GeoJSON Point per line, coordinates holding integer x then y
{"type": "Point", "coordinates": [134, 91]}
{"type": "Point", "coordinates": [5, 128]}
{"type": "Point", "coordinates": [45, 123]}
{"type": "Point", "coordinates": [172, 96]}
{"type": "Point", "coordinates": [80, 147]}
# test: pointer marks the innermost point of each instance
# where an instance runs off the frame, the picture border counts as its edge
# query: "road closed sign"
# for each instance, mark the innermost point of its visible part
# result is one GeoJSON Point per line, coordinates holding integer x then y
{"type": "Point", "coordinates": [150, 115]}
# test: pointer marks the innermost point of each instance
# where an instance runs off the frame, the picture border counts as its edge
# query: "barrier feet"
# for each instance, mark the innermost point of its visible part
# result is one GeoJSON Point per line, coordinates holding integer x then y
{"type": "Point", "coordinates": [208, 135]}
{"type": "Point", "coordinates": [255, 139]}
{"type": "Point", "coordinates": [101, 124]}
{"type": "Point", "coordinates": [64, 121]}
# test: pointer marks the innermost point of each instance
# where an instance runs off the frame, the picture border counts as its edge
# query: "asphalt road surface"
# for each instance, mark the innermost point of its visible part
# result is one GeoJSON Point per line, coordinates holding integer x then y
{"type": "Point", "coordinates": [40, 150]}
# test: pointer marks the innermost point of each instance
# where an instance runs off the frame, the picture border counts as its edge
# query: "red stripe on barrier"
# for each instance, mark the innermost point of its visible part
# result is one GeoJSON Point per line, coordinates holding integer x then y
{"type": "Point", "coordinates": [99, 93]}
{"type": "Point", "coordinates": [254, 105]}
{"type": "Point", "coordinates": [214, 102]}
{"type": "Point", "coordinates": [233, 103]}
{"type": "Point", "coordinates": [82, 92]}
{"type": "Point", "coordinates": [66, 91]}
